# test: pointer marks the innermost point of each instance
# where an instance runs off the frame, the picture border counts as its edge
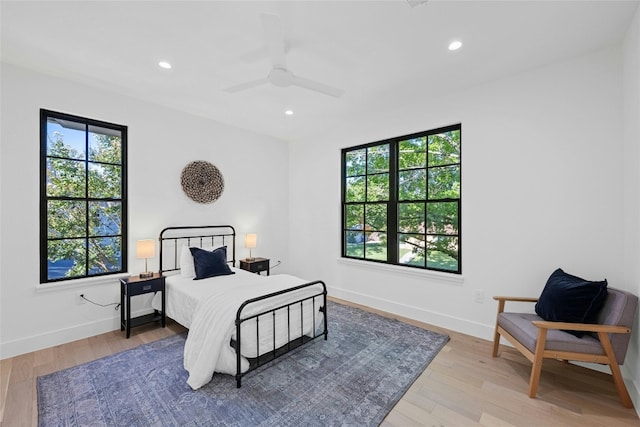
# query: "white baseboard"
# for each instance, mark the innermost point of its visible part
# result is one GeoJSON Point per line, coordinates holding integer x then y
{"type": "Point", "coordinates": [426, 316]}
{"type": "Point", "coordinates": [62, 336]}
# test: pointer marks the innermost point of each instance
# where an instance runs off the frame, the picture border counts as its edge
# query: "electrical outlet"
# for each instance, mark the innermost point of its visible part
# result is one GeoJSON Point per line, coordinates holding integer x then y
{"type": "Point", "coordinates": [79, 298]}
{"type": "Point", "coordinates": [478, 296]}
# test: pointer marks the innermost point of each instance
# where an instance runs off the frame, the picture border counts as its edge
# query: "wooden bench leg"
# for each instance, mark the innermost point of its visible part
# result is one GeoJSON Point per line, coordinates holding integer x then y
{"type": "Point", "coordinates": [536, 369]}
{"type": "Point", "coordinates": [496, 335]}
{"type": "Point", "coordinates": [496, 342]}
{"type": "Point", "coordinates": [615, 370]}
{"type": "Point", "coordinates": [538, 357]}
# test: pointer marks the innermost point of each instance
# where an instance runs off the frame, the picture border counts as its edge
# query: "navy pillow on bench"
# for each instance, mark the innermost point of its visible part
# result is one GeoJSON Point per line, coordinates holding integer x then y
{"type": "Point", "coordinates": [567, 298]}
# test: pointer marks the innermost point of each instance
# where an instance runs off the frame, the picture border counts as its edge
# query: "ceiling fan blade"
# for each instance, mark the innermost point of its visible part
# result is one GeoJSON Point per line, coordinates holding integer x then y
{"type": "Point", "coordinates": [316, 86]}
{"type": "Point", "coordinates": [247, 85]}
{"type": "Point", "coordinates": [274, 36]}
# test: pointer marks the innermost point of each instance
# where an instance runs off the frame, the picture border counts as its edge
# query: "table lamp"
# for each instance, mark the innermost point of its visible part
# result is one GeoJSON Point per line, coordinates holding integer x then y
{"type": "Point", "coordinates": [145, 249]}
{"type": "Point", "coordinates": [250, 241]}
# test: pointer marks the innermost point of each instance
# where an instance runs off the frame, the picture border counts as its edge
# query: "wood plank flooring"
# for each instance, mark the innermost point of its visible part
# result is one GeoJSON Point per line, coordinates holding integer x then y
{"type": "Point", "coordinates": [463, 385]}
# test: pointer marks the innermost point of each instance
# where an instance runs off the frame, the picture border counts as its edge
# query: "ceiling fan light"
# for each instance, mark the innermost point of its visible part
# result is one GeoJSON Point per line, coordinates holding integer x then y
{"type": "Point", "coordinates": [289, 112]}
{"type": "Point", "coordinates": [414, 3]}
{"type": "Point", "coordinates": [280, 77]}
{"type": "Point", "coordinates": [164, 64]}
{"type": "Point", "coordinates": [455, 45]}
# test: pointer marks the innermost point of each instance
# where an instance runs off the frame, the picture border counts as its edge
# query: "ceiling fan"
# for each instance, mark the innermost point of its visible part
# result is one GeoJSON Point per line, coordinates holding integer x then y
{"type": "Point", "coordinates": [279, 75]}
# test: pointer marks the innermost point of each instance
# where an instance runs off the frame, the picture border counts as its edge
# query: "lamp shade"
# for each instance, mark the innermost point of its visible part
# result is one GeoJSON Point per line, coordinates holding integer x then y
{"type": "Point", "coordinates": [250, 240]}
{"type": "Point", "coordinates": [145, 248]}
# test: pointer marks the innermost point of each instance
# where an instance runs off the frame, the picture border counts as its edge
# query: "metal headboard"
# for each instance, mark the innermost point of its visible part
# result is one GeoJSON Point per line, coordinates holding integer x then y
{"type": "Point", "coordinates": [173, 238]}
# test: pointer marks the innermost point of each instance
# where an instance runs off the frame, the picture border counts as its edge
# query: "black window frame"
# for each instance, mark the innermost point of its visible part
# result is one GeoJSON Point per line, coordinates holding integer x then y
{"type": "Point", "coordinates": [45, 116]}
{"type": "Point", "coordinates": [392, 228]}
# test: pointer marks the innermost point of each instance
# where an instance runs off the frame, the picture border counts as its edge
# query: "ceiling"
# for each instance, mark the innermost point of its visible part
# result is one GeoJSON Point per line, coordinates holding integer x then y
{"type": "Point", "coordinates": [383, 54]}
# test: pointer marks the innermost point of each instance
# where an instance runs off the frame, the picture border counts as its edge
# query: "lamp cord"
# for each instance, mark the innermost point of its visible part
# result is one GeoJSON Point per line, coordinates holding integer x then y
{"type": "Point", "coordinates": [117, 304]}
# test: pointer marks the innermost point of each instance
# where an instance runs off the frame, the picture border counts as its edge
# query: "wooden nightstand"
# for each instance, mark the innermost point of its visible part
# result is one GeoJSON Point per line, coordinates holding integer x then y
{"type": "Point", "coordinates": [132, 286]}
{"type": "Point", "coordinates": [255, 265]}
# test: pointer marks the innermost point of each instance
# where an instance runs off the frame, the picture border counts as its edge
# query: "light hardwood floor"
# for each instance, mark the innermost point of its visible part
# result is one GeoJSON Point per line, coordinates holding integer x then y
{"type": "Point", "coordinates": [463, 385]}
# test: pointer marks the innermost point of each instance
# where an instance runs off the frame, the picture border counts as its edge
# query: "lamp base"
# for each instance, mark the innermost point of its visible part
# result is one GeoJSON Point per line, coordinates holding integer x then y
{"type": "Point", "coordinates": [146, 274]}
{"type": "Point", "coordinates": [250, 259]}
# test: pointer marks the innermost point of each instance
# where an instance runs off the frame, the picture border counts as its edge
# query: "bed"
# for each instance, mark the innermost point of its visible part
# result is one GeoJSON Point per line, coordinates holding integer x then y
{"type": "Point", "coordinates": [237, 320]}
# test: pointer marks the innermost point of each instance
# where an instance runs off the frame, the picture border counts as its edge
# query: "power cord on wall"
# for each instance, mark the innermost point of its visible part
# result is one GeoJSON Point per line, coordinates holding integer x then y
{"type": "Point", "coordinates": [117, 304]}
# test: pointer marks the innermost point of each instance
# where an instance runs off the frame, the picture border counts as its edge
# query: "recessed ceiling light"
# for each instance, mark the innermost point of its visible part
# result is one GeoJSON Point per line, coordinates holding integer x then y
{"type": "Point", "coordinates": [414, 3]}
{"type": "Point", "coordinates": [164, 64]}
{"type": "Point", "coordinates": [289, 112]}
{"type": "Point", "coordinates": [455, 45]}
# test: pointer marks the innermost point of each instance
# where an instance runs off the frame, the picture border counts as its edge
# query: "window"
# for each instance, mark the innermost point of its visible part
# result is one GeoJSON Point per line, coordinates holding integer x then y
{"type": "Point", "coordinates": [401, 200]}
{"type": "Point", "coordinates": [83, 197]}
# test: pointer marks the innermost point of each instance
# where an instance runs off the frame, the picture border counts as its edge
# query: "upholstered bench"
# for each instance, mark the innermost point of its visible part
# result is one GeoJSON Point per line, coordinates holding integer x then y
{"type": "Point", "coordinates": [604, 342]}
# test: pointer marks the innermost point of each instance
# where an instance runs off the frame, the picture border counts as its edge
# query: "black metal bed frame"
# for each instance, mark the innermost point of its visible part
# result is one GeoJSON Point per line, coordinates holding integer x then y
{"type": "Point", "coordinates": [197, 239]}
{"type": "Point", "coordinates": [195, 235]}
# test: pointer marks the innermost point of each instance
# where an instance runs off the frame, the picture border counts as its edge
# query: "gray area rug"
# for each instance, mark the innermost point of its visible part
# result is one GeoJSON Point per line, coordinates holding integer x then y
{"type": "Point", "coordinates": [354, 378]}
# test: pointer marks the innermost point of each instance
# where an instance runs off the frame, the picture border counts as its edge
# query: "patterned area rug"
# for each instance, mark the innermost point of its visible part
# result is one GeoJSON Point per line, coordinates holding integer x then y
{"type": "Point", "coordinates": [354, 378]}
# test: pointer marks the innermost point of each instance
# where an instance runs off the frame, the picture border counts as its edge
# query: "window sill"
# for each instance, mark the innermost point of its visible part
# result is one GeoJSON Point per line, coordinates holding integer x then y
{"type": "Point", "coordinates": [446, 277]}
{"type": "Point", "coordinates": [76, 283]}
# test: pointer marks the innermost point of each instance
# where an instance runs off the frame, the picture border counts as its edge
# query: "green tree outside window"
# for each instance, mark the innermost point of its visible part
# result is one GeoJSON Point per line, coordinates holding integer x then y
{"type": "Point", "coordinates": [83, 197]}
{"type": "Point", "coordinates": [402, 200]}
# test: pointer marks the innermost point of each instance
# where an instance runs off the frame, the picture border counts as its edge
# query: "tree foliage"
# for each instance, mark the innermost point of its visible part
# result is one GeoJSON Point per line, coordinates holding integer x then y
{"type": "Point", "coordinates": [428, 195]}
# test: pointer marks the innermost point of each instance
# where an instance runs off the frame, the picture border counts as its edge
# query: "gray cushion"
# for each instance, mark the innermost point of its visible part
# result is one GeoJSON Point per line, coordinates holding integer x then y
{"type": "Point", "coordinates": [619, 309]}
{"type": "Point", "coordinates": [519, 325]}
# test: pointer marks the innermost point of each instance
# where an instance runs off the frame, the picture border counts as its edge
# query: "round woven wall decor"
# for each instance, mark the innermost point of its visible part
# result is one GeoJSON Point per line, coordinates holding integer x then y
{"type": "Point", "coordinates": [202, 182]}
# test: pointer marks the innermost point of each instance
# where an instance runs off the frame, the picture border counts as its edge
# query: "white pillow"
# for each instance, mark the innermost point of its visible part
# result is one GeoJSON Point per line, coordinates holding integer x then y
{"type": "Point", "coordinates": [187, 268]}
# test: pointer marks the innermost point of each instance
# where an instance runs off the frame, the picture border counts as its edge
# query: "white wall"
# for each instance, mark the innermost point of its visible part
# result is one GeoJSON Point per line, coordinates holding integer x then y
{"type": "Point", "coordinates": [542, 188]}
{"type": "Point", "coordinates": [631, 224]}
{"type": "Point", "coordinates": [161, 143]}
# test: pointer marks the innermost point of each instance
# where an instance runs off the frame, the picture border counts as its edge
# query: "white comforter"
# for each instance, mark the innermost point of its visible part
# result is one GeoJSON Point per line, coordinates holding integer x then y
{"type": "Point", "coordinates": [211, 315]}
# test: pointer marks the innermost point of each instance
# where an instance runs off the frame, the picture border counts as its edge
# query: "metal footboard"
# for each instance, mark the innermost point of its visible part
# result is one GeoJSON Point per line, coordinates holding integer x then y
{"type": "Point", "coordinates": [292, 342]}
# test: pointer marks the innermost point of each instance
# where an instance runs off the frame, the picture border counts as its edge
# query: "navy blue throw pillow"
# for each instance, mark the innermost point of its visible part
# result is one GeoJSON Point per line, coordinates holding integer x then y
{"type": "Point", "coordinates": [567, 298]}
{"type": "Point", "coordinates": [210, 263]}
